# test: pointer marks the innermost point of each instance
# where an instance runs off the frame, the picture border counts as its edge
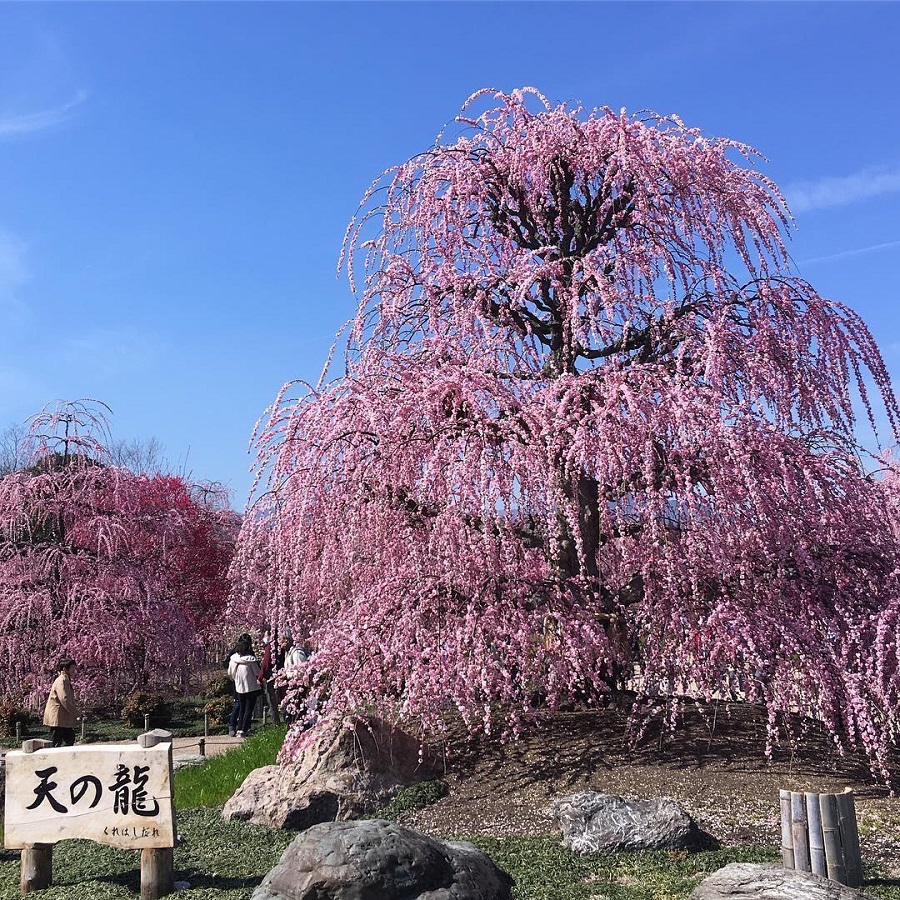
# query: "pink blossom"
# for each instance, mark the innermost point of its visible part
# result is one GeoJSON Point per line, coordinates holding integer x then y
{"type": "Point", "coordinates": [590, 418]}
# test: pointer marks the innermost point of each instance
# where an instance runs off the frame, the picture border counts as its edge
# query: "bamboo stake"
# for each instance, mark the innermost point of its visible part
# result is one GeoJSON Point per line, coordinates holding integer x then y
{"type": "Point", "coordinates": [831, 836]}
{"type": "Point", "coordinates": [799, 832]}
{"type": "Point", "coordinates": [850, 837]}
{"type": "Point", "coordinates": [816, 841]}
{"type": "Point", "coordinates": [787, 840]}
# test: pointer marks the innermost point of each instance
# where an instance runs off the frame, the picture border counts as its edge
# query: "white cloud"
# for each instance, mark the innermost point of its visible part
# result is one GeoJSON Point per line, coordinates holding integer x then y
{"type": "Point", "coordinates": [804, 196]}
{"type": "Point", "coordinates": [110, 352]}
{"type": "Point", "coordinates": [887, 245]}
{"type": "Point", "coordinates": [13, 271]}
{"type": "Point", "coordinates": [18, 124]}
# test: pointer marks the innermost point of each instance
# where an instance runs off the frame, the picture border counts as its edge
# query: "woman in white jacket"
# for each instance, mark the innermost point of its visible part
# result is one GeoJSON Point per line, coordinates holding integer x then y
{"type": "Point", "coordinates": [244, 670]}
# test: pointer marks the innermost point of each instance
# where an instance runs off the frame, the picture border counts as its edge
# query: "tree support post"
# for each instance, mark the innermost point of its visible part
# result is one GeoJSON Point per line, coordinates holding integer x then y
{"type": "Point", "coordinates": [817, 862]}
{"type": "Point", "coordinates": [787, 835]}
{"type": "Point", "coordinates": [157, 863]}
{"type": "Point", "coordinates": [846, 808]}
{"type": "Point", "coordinates": [36, 859]}
{"type": "Point", "coordinates": [800, 831]}
{"type": "Point", "coordinates": [37, 868]}
{"type": "Point", "coordinates": [157, 872]}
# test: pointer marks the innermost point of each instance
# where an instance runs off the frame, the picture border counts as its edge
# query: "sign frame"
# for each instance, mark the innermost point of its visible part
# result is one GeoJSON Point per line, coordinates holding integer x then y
{"type": "Point", "coordinates": [121, 795]}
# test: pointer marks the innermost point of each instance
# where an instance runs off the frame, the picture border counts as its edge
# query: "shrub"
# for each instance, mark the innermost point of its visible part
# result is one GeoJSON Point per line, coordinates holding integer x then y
{"type": "Point", "coordinates": [10, 714]}
{"type": "Point", "coordinates": [219, 686]}
{"type": "Point", "coordinates": [417, 796]}
{"type": "Point", "coordinates": [143, 703]}
{"type": "Point", "coordinates": [218, 709]}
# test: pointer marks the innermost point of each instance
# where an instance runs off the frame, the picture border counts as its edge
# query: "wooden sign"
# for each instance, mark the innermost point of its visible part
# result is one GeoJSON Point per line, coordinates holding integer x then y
{"type": "Point", "coordinates": [118, 794]}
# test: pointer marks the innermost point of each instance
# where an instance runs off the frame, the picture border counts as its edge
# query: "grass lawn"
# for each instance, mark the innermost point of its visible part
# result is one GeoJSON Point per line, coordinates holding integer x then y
{"type": "Point", "coordinates": [220, 860]}
{"type": "Point", "coordinates": [225, 861]}
{"type": "Point", "coordinates": [216, 780]}
{"type": "Point", "coordinates": [545, 870]}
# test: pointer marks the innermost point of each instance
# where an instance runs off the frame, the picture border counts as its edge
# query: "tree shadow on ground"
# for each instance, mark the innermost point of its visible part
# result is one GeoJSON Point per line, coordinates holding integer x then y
{"type": "Point", "coordinates": [130, 880]}
{"type": "Point", "coordinates": [728, 738]}
{"type": "Point", "coordinates": [205, 881]}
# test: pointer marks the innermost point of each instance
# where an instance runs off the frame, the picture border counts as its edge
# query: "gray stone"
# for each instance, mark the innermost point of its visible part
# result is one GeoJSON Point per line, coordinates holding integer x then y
{"type": "Point", "coordinates": [188, 759]}
{"type": "Point", "coordinates": [154, 737]}
{"type": "Point", "coordinates": [592, 823]}
{"type": "Point", "coordinates": [343, 776]}
{"type": "Point", "coordinates": [752, 881]}
{"type": "Point", "coordinates": [378, 860]}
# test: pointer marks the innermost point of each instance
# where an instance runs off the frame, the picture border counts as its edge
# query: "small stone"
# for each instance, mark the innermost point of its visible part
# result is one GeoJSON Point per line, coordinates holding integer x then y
{"type": "Point", "coordinates": [191, 759]}
{"type": "Point", "coordinates": [182, 886]}
{"type": "Point", "coordinates": [755, 881]}
{"type": "Point", "coordinates": [592, 823]}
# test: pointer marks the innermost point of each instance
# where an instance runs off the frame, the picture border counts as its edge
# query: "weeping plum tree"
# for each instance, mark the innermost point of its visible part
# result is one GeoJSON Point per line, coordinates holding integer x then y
{"type": "Point", "coordinates": [119, 570]}
{"type": "Point", "coordinates": [590, 417]}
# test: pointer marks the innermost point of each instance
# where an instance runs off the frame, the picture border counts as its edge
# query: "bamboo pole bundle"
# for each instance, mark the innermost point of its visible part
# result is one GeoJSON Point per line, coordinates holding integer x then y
{"type": "Point", "coordinates": [819, 835]}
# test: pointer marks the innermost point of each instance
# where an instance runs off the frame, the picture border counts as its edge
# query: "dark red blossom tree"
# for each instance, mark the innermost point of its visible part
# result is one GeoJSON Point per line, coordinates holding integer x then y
{"type": "Point", "coordinates": [121, 571]}
{"type": "Point", "coordinates": [590, 417]}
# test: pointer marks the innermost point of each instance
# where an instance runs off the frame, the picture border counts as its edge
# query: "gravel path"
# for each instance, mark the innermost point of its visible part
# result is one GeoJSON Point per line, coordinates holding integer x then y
{"type": "Point", "coordinates": [215, 744]}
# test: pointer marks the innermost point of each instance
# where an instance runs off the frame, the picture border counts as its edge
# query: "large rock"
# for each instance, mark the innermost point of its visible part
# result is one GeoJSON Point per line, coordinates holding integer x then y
{"type": "Point", "coordinates": [342, 776]}
{"type": "Point", "coordinates": [752, 881]}
{"type": "Point", "coordinates": [378, 860]}
{"type": "Point", "coordinates": [592, 822]}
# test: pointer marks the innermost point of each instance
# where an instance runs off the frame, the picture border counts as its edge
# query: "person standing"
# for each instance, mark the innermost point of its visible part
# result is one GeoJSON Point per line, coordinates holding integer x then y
{"type": "Point", "coordinates": [268, 670]}
{"type": "Point", "coordinates": [236, 703]}
{"type": "Point", "coordinates": [62, 710]}
{"type": "Point", "coordinates": [285, 643]}
{"type": "Point", "coordinates": [244, 669]}
{"type": "Point", "coordinates": [303, 705]}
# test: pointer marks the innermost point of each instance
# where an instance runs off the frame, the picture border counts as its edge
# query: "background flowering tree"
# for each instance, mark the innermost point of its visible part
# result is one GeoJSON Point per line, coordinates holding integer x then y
{"type": "Point", "coordinates": [119, 570]}
{"type": "Point", "coordinates": [590, 417]}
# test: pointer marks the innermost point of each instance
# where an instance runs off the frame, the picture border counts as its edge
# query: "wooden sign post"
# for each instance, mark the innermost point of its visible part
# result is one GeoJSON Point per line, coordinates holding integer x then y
{"type": "Point", "coordinates": [115, 794]}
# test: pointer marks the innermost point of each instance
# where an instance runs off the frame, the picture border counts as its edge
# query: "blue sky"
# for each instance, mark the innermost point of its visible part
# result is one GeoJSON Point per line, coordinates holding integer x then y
{"type": "Point", "coordinates": [175, 179]}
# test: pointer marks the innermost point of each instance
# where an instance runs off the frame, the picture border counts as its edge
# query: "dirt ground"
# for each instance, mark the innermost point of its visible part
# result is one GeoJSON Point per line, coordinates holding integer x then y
{"type": "Point", "coordinates": [714, 766]}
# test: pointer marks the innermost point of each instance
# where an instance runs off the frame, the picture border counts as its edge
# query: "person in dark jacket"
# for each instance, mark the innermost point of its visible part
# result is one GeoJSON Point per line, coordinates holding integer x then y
{"type": "Point", "coordinates": [271, 663]}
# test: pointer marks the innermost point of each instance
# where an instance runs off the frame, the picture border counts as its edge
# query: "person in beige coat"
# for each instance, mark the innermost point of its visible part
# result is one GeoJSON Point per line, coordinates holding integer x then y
{"type": "Point", "coordinates": [62, 711]}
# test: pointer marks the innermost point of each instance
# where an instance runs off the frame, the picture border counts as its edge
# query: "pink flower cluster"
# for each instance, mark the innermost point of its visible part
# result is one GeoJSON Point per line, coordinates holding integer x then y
{"type": "Point", "coordinates": [591, 422]}
{"type": "Point", "coordinates": [122, 572]}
